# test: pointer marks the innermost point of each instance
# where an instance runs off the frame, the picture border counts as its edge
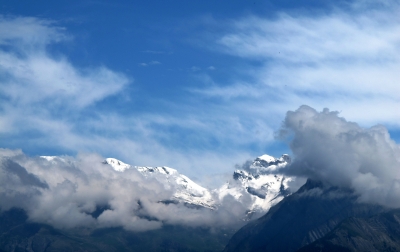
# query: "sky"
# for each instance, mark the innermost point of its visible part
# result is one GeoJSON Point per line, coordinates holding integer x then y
{"type": "Point", "coordinates": [195, 85]}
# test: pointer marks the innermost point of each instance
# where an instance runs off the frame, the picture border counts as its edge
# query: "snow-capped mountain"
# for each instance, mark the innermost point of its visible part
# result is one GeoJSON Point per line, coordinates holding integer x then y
{"type": "Point", "coordinates": [266, 163]}
{"type": "Point", "coordinates": [258, 187]}
{"type": "Point", "coordinates": [258, 181]}
{"type": "Point", "coordinates": [186, 191]}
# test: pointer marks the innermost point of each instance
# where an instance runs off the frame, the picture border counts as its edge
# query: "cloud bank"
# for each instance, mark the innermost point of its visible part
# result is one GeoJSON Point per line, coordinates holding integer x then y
{"type": "Point", "coordinates": [329, 148]}
{"type": "Point", "coordinates": [83, 192]}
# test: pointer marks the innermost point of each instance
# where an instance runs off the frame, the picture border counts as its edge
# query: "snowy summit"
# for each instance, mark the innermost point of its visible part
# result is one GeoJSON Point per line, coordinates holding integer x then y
{"type": "Point", "coordinates": [257, 187]}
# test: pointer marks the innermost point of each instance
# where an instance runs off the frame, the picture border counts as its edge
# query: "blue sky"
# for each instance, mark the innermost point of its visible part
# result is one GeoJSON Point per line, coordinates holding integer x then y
{"type": "Point", "coordinates": [194, 85]}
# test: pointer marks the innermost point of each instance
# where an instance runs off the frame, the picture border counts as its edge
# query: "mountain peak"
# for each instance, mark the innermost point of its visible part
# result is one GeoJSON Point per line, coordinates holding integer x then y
{"type": "Point", "coordinates": [185, 190]}
{"type": "Point", "coordinates": [266, 158]}
{"type": "Point", "coordinates": [117, 164]}
{"type": "Point", "coordinates": [267, 163]}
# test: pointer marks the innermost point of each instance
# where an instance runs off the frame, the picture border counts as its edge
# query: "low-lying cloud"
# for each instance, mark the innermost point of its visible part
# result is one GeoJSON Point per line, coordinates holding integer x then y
{"type": "Point", "coordinates": [70, 192]}
{"type": "Point", "coordinates": [328, 148]}
{"type": "Point", "coordinates": [83, 192]}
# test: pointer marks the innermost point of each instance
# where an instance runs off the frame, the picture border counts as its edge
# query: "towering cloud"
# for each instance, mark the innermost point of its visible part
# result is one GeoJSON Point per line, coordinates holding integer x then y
{"type": "Point", "coordinates": [326, 147]}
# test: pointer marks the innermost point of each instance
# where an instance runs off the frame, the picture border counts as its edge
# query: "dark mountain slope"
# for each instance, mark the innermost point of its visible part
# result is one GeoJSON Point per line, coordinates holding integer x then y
{"type": "Point", "coordinates": [18, 234]}
{"type": "Point", "coordinates": [300, 219]}
{"type": "Point", "coordinates": [378, 233]}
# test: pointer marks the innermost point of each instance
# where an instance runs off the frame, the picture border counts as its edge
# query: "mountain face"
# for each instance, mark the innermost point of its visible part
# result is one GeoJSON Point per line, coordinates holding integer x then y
{"type": "Point", "coordinates": [300, 219]}
{"type": "Point", "coordinates": [260, 183]}
{"type": "Point", "coordinates": [17, 233]}
{"type": "Point", "coordinates": [258, 186]}
{"type": "Point", "coordinates": [186, 191]}
{"type": "Point", "coordinates": [380, 232]}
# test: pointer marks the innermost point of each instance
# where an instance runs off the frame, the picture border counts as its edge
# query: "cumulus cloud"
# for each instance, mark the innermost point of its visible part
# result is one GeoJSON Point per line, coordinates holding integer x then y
{"type": "Point", "coordinates": [69, 192]}
{"type": "Point", "coordinates": [328, 148]}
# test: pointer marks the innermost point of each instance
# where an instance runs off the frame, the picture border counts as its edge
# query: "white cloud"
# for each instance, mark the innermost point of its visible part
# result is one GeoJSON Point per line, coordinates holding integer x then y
{"type": "Point", "coordinates": [50, 98]}
{"type": "Point", "coordinates": [330, 149]}
{"type": "Point", "coordinates": [195, 68]}
{"type": "Point", "coordinates": [41, 93]}
{"type": "Point", "coordinates": [50, 103]}
{"type": "Point", "coordinates": [40, 79]}
{"type": "Point", "coordinates": [64, 192]}
{"type": "Point", "coordinates": [345, 60]}
{"type": "Point", "coordinates": [153, 62]}
{"type": "Point", "coordinates": [29, 34]}
{"type": "Point", "coordinates": [32, 81]}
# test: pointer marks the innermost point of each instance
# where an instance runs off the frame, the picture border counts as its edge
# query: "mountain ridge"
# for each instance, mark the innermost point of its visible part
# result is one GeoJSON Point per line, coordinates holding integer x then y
{"type": "Point", "coordinates": [301, 218]}
{"type": "Point", "coordinates": [258, 181]}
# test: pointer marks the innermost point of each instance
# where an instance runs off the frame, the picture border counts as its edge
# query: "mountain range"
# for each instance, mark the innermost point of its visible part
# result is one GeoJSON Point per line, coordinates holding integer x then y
{"type": "Point", "coordinates": [316, 217]}
{"type": "Point", "coordinates": [255, 187]}
{"type": "Point", "coordinates": [257, 184]}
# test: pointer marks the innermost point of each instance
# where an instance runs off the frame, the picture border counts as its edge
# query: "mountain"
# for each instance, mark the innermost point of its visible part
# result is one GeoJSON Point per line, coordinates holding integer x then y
{"type": "Point", "coordinates": [255, 186]}
{"type": "Point", "coordinates": [258, 185]}
{"type": "Point", "coordinates": [185, 190]}
{"type": "Point", "coordinates": [318, 217]}
{"type": "Point", "coordinates": [378, 233]}
{"type": "Point", "coordinates": [17, 233]}
{"type": "Point", "coordinates": [300, 219]}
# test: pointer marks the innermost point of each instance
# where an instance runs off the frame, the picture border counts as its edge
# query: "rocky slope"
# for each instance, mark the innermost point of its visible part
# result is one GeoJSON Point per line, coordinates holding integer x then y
{"type": "Point", "coordinates": [17, 233]}
{"type": "Point", "coordinates": [380, 232]}
{"type": "Point", "coordinates": [300, 219]}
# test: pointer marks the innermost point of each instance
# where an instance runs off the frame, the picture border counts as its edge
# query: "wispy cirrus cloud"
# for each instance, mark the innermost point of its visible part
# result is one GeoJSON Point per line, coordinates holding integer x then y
{"type": "Point", "coordinates": [344, 59]}
{"type": "Point", "coordinates": [154, 62]}
{"type": "Point", "coordinates": [35, 83]}
{"type": "Point", "coordinates": [42, 94]}
{"type": "Point", "coordinates": [48, 103]}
